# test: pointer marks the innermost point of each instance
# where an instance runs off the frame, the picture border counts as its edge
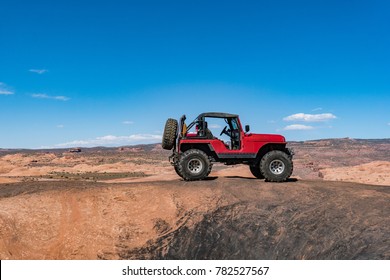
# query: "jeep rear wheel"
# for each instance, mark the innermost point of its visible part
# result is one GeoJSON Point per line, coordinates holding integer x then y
{"type": "Point", "coordinates": [255, 170]}
{"type": "Point", "coordinates": [276, 166]}
{"type": "Point", "coordinates": [194, 165]}
{"type": "Point", "coordinates": [170, 134]}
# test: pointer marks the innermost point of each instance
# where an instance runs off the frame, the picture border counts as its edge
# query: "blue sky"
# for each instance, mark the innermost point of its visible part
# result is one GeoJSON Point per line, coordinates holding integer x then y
{"type": "Point", "coordinates": [89, 73]}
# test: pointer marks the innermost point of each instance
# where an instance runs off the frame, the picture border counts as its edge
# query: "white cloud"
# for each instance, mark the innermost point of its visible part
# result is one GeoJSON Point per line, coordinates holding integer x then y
{"type": "Point", "coordinates": [5, 90]}
{"type": "Point", "coordinates": [310, 118]}
{"type": "Point", "coordinates": [317, 109]}
{"type": "Point", "coordinates": [45, 96]}
{"type": "Point", "coordinates": [128, 122]}
{"type": "Point", "coordinates": [60, 126]}
{"type": "Point", "coordinates": [112, 140]}
{"type": "Point", "coordinates": [388, 123]}
{"type": "Point", "coordinates": [214, 126]}
{"type": "Point", "coordinates": [38, 71]}
{"type": "Point", "coordinates": [298, 127]}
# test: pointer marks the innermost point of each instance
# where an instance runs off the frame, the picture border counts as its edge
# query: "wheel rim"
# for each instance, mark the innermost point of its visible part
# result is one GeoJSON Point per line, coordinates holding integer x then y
{"type": "Point", "coordinates": [195, 166]}
{"type": "Point", "coordinates": [276, 167]}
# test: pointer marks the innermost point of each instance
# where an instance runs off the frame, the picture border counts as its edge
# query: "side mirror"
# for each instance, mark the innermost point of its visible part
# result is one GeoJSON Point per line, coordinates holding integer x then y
{"type": "Point", "coordinates": [247, 128]}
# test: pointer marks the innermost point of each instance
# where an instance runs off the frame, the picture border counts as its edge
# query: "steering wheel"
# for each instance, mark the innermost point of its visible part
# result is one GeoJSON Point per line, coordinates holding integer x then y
{"type": "Point", "coordinates": [224, 131]}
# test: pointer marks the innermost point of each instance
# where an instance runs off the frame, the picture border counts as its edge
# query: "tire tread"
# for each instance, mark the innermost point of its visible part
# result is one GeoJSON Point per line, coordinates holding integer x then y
{"type": "Point", "coordinates": [268, 157]}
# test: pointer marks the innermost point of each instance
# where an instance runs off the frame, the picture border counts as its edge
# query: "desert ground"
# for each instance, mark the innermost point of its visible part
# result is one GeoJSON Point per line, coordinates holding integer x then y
{"type": "Point", "coordinates": [128, 203]}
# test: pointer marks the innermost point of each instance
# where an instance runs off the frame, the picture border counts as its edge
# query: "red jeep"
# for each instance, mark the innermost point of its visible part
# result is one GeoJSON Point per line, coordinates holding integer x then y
{"type": "Point", "coordinates": [195, 148]}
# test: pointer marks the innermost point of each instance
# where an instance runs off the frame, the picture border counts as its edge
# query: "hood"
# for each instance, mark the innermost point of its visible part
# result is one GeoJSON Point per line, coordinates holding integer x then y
{"type": "Point", "coordinates": [266, 138]}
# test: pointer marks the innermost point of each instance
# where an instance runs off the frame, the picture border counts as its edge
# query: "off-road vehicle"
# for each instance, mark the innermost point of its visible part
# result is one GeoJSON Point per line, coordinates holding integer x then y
{"type": "Point", "coordinates": [195, 148]}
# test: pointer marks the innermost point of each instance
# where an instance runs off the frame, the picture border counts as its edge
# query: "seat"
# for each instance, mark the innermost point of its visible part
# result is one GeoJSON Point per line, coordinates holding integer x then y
{"type": "Point", "coordinates": [209, 135]}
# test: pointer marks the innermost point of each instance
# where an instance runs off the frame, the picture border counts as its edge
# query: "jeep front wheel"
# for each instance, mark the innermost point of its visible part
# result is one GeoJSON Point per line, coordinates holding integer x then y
{"type": "Point", "coordinates": [276, 166]}
{"type": "Point", "coordinates": [194, 165]}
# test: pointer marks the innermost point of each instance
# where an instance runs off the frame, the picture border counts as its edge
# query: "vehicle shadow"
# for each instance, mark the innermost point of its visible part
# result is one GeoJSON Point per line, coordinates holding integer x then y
{"type": "Point", "coordinates": [289, 180]}
{"type": "Point", "coordinates": [241, 177]}
{"type": "Point", "coordinates": [292, 180]}
{"type": "Point", "coordinates": [210, 178]}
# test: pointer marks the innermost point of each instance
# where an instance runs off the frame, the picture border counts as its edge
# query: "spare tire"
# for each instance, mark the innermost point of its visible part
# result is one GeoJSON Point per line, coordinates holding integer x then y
{"type": "Point", "coordinates": [170, 134]}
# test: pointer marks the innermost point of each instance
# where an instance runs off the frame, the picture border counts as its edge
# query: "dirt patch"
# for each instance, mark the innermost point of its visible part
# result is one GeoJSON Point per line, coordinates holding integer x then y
{"type": "Point", "coordinates": [377, 172]}
{"type": "Point", "coordinates": [94, 164]}
{"type": "Point", "coordinates": [130, 204]}
{"type": "Point", "coordinates": [93, 176]}
{"type": "Point", "coordinates": [223, 218]}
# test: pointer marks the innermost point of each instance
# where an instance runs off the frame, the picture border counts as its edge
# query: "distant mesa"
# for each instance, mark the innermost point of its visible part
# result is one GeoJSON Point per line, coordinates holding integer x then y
{"type": "Point", "coordinates": [128, 149]}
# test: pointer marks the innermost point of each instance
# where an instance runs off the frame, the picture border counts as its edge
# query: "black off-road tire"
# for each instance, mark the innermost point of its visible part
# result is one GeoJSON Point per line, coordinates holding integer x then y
{"type": "Point", "coordinates": [177, 170]}
{"type": "Point", "coordinates": [255, 170]}
{"type": "Point", "coordinates": [276, 166]}
{"type": "Point", "coordinates": [194, 165]}
{"type": "Point", "coordinates": [170, 134]}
